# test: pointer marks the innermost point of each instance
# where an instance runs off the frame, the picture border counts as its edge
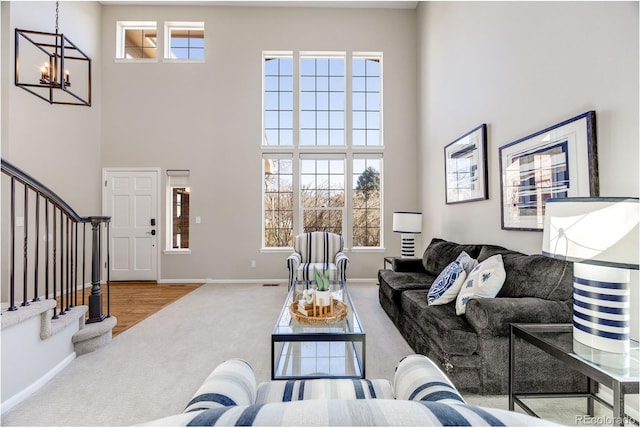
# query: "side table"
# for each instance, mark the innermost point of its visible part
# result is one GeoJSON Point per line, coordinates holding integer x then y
{"type": "Point", "coordinates": [389, 260]}
{"type": "Point", "coordinates": [616, 371]}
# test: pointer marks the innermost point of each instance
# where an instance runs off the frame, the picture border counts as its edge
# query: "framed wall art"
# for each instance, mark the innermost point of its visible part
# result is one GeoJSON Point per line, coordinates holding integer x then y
{"type": "Point", "coordinates": [557, 162]}
{"type": "Point", "coordinates": [465, 167]}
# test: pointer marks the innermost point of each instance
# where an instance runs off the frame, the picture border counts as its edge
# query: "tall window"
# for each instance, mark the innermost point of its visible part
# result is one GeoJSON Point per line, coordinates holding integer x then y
{"type": "Point", "coordinates": [184, 41]}
{"type": "Point", "coordinates": [178, 198]}
{"type": "Point", "coordinates": [278, 101]}
{"type": "Point", "coordinates": [322, 101]}
{"type": "Point", "coordinates": [366, 202]}
{"type": "Point", "coordinates": [137, 40]}
{"type": "Point", "coordinates": [322, 194]}
{"type": "Point", "coordinates": [322, 171]}
{"type": "Point", "coordinates": [366, 105]}
{"type": "Point", "coordinates": [278, 202]}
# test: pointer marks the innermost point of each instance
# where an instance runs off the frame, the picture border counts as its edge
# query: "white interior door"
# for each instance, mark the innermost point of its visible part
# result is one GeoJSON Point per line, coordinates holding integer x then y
{"type": "Point", "coordinates": [131, 199]}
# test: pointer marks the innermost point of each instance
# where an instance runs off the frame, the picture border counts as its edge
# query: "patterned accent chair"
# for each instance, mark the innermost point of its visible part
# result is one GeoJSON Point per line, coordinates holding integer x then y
{"type": "Point", "coordinates": [421, 395]}
{"type": "Point", "coordinates": [322, 250]}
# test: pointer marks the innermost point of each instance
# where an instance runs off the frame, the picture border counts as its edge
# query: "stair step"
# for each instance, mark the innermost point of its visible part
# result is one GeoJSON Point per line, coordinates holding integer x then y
{"type": "Point", "coordinates": [94, 336]}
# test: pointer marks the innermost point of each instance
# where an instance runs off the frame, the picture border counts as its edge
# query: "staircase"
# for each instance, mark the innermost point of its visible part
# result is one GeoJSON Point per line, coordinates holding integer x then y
{"type": "Point", "coordinates": [50, 313]}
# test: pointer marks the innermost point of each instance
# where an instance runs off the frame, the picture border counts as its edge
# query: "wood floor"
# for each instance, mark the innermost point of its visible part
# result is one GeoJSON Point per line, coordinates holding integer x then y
{"type": "Point", "coordinates": [131, 302]}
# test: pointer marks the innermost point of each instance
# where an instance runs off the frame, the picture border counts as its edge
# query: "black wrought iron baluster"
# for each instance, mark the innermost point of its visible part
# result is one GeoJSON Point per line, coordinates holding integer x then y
{"type": "Point", "coordinates": [62, 309]}
{"type": "Point", "coordinates": [36, 260]}
{"type": "Point", "coordinates": [55, 262]}
{"type": "Point", "coordinates": [68, 265]}
{"type": "Point", "coordinates": [74, 266]}
{"type": "Point", "coordinates": [46, 249]}
{"type": "Point", "coordinates": [108, 270]}
{"type": "Point", "coordinates": [12, 280]}
{"type": "Point", "coordinates": [25, 251]}
{"type": "Point", "coordinates": [84, 259]}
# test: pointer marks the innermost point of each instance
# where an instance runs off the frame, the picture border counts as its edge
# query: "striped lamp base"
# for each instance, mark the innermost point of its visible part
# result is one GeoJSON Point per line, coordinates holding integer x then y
{"type": "Point", "coordinates": [408, 244]}
{"type": "Point", "coordinates": [601, 307]}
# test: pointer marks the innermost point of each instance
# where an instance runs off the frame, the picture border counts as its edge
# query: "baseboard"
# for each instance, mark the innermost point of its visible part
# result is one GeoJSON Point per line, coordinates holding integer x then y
{"type": "Point", "coordinates": [35, 386]}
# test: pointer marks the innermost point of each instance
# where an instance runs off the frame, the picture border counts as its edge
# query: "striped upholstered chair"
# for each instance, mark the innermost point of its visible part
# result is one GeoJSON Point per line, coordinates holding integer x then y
{"type": "Point", "coordinates": [322, 250]}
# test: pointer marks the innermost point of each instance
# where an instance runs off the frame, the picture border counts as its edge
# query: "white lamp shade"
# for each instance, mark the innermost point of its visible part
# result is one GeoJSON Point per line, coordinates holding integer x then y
{"type": "Point", "coordinates": [407, 222]}
{"type": "Point", "coordinates": [599, 231]}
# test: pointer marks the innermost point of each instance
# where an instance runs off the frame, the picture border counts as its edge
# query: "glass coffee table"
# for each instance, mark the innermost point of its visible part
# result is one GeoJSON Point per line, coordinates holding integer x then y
{"type": "Point", "coordinates": [303, 351]}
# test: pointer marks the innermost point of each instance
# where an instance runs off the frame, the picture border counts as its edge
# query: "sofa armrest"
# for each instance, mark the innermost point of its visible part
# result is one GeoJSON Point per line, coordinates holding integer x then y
{"type": "Point", "coordinates": [410, 264]}
{"type": "Point", "coordinates": [492, 317]}
{"type": "Point", "coordinates": [231, 383]}
{"type": "Point", "coordinates": [417, 378]}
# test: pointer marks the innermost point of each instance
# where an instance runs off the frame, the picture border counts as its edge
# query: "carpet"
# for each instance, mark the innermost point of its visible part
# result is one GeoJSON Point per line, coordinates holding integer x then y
{"type": "Point", "coordinates": [152, 369]}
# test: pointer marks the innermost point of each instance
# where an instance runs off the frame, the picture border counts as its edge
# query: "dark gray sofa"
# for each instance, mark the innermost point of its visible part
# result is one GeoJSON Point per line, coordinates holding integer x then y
{"type": "Point", "coordinates": [473, 349]}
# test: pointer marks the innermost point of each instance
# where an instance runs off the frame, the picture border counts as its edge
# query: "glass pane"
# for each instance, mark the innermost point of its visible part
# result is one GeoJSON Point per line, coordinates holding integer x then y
{"type": "Point", "coordinates": [132, 38]}
{"type": "Point", "coordinates": [196, 53]}
{"type": "Point", "coordinates": [179, 53]}
{"type": "Point", "coordinates": [271, 100]}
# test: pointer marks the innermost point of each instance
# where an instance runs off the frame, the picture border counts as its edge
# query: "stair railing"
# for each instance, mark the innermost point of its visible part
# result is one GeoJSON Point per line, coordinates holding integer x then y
{"type": "Point", "coordinates": [51, 238]}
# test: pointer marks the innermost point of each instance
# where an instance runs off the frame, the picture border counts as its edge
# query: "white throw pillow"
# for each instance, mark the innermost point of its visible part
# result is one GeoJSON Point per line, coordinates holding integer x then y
{"type": "Point", "coordinates": [485, 280]}
{"type": "Point", "coordinates": [447, 285]}
{"type": "Point", "coordinates": [467, 262]}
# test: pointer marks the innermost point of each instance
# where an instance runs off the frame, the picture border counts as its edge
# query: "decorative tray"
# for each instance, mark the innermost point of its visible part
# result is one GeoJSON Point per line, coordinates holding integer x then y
{"type": "Point", "coordinates": [340, 311]}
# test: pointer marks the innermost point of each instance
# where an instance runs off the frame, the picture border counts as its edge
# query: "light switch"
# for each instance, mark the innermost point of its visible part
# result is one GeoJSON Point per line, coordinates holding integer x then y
{"type": "Point", "coordinates": [198, 220]}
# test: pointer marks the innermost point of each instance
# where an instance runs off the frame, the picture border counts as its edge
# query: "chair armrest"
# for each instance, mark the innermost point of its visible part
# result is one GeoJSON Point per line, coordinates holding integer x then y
{"type": "Point", "coordinates": [418, 378]}
{"type": "Point", "coordinates": [491, 317]}
{"type": "Point", "coordinates": [231, 383]}
{"type": "Point", "coordinates": [408, 265]}
{"type": "Point", "coordinates": [342, 262]}
{"type": "Point", "coordinates": [293, 261]}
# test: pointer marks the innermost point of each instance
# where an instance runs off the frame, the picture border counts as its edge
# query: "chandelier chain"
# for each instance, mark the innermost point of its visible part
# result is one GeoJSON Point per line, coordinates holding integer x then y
{"type": "Point", "coordinates": [57, 13]}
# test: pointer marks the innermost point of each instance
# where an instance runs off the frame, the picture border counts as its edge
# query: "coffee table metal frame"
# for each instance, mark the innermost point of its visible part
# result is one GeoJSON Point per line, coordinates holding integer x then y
{"type": "Point", "coordinates": [620, 385]}
{"type": "Point", "coordinates": [290, 332]}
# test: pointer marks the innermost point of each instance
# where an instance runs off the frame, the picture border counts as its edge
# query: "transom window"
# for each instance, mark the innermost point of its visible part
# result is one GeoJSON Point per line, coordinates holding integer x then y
{"type": "Point", "coordinates": [322, 172]}
{"type": "Point", "coordinates": [184, 41]}
{"type": "Point", "coordinates": [137, 40]}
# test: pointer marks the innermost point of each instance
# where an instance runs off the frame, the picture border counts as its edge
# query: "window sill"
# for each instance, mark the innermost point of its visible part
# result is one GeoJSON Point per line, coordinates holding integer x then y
{"type": "Point", "coordinates": [135, 60]}
{"type": "Point", "coordinates": [178, 251]}
{"type": "Point", "coordinates": [183, 61]}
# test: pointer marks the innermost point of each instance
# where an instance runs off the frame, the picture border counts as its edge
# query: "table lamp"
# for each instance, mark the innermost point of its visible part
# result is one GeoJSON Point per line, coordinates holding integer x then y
{"type": "Point", "coordinates": [600, 235]}
{"type": "Point", "coordinates": [407, 223]}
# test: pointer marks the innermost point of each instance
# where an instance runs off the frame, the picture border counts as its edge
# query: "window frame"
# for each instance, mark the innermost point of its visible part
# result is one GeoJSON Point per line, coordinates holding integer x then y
{"type": "Point", "coordinates": [122, 27]}
{"type": "Point", "coordinates": [348, 151]}
{"type": "Point", "coordinates": [175, 179]}
{"type": "Point", "coordinates": [182, 25]}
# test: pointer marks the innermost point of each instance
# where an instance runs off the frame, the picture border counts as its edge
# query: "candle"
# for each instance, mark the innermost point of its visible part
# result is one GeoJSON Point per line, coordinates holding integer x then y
{"type": "Point", "coordinates": [67, 82]}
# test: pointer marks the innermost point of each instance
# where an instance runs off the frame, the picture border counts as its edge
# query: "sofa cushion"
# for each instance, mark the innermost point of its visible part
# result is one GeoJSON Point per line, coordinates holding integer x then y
{"type": "Point", "coordinates": [447, 285]}
{"type": "Point", "coordinates": [485, 280]}
{"type": "Point", "coordinates": [392, 284]}
{"type": "Point", "coordinates": [440, 253]}
{"type": "Point", "coordinates": [459, 339]}
{"type": "Point", "coordinates": [327, 389]}
{"type": "Point", "coordinates": [532, 275]}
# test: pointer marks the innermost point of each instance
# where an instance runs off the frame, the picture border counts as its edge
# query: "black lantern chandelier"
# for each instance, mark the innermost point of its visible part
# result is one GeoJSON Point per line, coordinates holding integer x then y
{"type": "Point", "coordinates": [48, 62]}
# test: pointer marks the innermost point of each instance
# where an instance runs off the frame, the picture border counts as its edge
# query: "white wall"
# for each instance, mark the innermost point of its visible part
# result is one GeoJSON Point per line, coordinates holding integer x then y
{"type": "Point", "coordinates": [521, 67]}
{"type": "Point", "coordinates": [57, 144]}
{"type": "Point", "coordinates": [207, 118]}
